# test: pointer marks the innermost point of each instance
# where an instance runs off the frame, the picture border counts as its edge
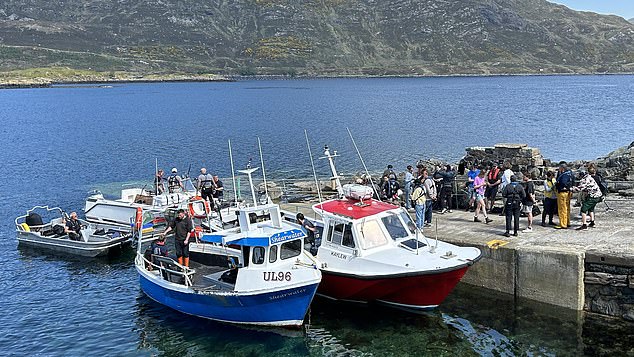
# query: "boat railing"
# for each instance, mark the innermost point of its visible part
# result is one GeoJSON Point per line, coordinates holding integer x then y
{"type": "Point", "coordinates": [186, 273]}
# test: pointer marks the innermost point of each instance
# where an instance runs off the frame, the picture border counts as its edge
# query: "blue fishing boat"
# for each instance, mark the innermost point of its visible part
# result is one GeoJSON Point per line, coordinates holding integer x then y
{"type": "Point", "coordinates": [264, 275]}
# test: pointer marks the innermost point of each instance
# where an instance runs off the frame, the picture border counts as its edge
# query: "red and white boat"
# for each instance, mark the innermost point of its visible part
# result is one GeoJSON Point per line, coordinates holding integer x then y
{"type": "Point", "coordinates": [371, 251]}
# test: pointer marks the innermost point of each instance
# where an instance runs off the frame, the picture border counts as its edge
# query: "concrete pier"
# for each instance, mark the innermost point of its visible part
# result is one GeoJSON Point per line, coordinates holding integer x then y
{"type": "Point", "coordinates": [591, 269]}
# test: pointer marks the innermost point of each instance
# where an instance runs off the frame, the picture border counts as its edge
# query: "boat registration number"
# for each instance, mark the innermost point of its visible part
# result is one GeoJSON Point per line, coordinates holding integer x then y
{"type": "Point", "coordinates": [277, 276]}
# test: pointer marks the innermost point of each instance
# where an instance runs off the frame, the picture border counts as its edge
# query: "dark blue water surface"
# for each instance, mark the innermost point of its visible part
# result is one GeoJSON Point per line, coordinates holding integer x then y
{"type": "Point", "coordinates": [58, 143]}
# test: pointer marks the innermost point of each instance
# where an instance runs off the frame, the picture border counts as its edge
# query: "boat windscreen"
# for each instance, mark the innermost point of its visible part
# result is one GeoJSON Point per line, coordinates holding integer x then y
{"type": "Point", "coordinates": [408, 221]}
{"type": "Point", "coordinates": [372, 235]}
{"type": "Point", "coordinates": [394, 226]}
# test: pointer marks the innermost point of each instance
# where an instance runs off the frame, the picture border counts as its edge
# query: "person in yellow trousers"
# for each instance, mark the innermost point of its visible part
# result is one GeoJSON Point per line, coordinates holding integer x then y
{"type": "Point", "coordinates": [564, 183]}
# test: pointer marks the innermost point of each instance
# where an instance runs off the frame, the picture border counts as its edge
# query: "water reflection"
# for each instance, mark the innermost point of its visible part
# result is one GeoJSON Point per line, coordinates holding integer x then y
{"type": "Point", "coordinates": [472, 322]}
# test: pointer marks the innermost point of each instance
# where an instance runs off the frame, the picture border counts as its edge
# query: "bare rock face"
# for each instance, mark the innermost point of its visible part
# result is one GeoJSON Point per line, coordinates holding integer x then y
{"type": "Point", "coordinates": [619, 164]}
{"type": "Point", "coordinates": [332, 37]}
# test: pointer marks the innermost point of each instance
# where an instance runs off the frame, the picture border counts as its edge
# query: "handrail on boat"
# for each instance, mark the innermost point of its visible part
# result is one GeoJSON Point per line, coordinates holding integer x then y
{"type": "Point", "coordinates": [186, 273]}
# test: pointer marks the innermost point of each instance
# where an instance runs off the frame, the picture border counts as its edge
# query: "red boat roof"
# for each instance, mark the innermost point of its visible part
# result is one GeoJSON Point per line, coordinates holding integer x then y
{"type": "Point", "coordinates": [351, 208]}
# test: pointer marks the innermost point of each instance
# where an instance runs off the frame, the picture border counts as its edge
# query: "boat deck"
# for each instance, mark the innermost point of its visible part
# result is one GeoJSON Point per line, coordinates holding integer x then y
{"type": "Point", "coordinates": [208, 277]}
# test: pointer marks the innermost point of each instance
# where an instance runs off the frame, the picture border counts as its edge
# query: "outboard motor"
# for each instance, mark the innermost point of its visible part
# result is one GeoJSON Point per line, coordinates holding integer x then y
{"type": "Point", "coordinates": [34, 219]}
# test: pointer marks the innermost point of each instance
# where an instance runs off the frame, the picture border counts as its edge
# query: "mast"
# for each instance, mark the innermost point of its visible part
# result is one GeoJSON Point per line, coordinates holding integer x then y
{"type": "Point", "coordinates": [333, 169]}
{"type": "Point", "coordinates": [249, 172]}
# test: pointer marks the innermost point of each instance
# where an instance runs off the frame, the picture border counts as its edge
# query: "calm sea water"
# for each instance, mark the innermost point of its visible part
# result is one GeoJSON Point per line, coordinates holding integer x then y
{"type": "Point", "coordinates": [59, 143]}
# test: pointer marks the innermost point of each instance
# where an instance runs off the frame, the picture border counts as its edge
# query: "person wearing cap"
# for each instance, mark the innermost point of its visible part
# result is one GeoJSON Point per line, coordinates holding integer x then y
{"type": "Point", "coordinates": [183, 228]}
{"type": "Point", "coordinates": [175, 182]}
{"type": "Point", "coordinates": [564, 183]}
{"type": "Point", "coordinates": [158, 246]}
{"type": "Point", "coordinates": [514, 194]}
{"type": "Point", "coordinates": [205, 184]}
{"type": "Point", "coordinates": [493, 183]}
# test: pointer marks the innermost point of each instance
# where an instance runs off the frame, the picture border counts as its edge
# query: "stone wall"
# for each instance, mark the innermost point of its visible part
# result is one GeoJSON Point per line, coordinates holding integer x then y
{"type": "Point", "coordinates": [520, 156]}
{"type": "Point", "coordinates": [609, 285]}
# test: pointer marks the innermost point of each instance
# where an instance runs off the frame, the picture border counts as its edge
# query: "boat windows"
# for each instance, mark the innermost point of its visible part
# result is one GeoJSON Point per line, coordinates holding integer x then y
{"type": "Point", "coordinates": [290, 249]}
{"type": "Point", "coordinates": [341, 234]}
{"type": "Point", "coordinates": [372, 235]}
{"type": "Point", "coordinates": [394, 226]}
{"type": "Point", "coordinates": [336, 233]}
{"type": "Point", "coordinates": [258, 255]}
{"type": "Point", "coordinates": [273, 254]}
{"type": "Point", "coordinates": [408, 222]}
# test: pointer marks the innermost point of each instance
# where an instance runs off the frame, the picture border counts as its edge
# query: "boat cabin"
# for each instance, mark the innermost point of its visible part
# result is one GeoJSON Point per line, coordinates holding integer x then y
{"type": "Point", "coordinates": [356, 228]}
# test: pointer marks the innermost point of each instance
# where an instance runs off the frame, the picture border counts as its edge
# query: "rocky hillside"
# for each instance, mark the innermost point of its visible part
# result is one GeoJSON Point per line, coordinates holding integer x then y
{"type": "Point", "coordinates": [313, 37]}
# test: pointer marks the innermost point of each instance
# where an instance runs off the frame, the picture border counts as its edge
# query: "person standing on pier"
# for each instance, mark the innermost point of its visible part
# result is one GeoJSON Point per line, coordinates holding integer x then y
{"type": "Point", "coordinates": [409, 178]}
{"type": "Point", "coordinates": [493, 183]}
{"type": "Point", "coordinates": [419, 198]}
{"type": "Point", "coordinates": [446, 189]}
{"type": "Point", "coordinates": [478, 188]}
{"type": "Point", "coordinates": [474, 171]}
{"type": "Point", "coordinates": [550, 199]}
{"type": "Point", "coordinates": [564, 184]}
{"type": "Point", "coordinates": [528, 202]}
{"type": "Point", "coordinates": [513, 194]}
{"type": "Point", "coordinates": [504, 181]}
{"type": "Point", "coordinates": [589, 186]}
{"type": "Point", "coordinates": [432, 196]}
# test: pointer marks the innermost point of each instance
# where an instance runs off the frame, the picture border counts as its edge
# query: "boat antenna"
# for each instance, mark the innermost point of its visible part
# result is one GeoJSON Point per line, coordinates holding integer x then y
{"type": "Point", "coordinates": [312, 163]}
{"type": "Point", "coordinates": [233, 175]}
{"type": "Point", "coordinates": [364, 167]}
{"type": "Point", "coordinates": [266, 188]}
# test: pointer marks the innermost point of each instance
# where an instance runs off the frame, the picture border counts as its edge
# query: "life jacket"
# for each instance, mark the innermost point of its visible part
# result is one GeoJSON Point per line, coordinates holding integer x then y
{"type": "Point", "coordinates": [172, 182]}
{"type": "Point", "coordinates": [493, 175]}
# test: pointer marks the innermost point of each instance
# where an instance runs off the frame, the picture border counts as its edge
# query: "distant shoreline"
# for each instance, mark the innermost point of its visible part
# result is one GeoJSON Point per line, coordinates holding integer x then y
{"type": "Point", "coordinates": [19, 83]}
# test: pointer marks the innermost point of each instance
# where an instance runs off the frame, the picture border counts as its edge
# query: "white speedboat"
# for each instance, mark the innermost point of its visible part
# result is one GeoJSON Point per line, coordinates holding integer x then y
{"type": "Point", "coordinates": [94, 240]}
{"type": "Point", "coordinates": [119, 212]}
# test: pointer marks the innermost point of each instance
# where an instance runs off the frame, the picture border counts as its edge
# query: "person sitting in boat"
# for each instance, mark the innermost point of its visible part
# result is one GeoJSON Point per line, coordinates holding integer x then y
{"type": "Point", "coordinates": [157, 247]}
{"type": "Point", "coordinates": [308, 226]}
{"type": "Point", "coordinates": [175, 182]}
{"type": "Point", "coordinates": [183, 228]}
{"type": "Point", "coordinates": [158, 182]}
{"type": "Point", "coordinates": [73, 227]}
{"type": "Point", "coordinates": [205, 184]}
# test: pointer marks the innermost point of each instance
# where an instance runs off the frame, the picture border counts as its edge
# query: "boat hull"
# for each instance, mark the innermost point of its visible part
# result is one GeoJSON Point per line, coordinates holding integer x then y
{"type": "Point", "coordinates": [66, 246]}
{"type": "Point", "coordinates": [416, 291]}
{"type": "Point", "coordinates": [285, 307]}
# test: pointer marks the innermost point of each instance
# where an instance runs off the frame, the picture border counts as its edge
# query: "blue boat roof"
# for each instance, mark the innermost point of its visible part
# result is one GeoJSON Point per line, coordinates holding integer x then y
{"type": "Point", "coordinates": [259, 237]}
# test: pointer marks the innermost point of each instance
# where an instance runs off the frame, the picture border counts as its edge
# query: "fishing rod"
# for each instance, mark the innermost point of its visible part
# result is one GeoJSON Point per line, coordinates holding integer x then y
{"type": "Point", "coordinates": [312, 163]}
{"type": "Point", "coordinates": [266, 189]}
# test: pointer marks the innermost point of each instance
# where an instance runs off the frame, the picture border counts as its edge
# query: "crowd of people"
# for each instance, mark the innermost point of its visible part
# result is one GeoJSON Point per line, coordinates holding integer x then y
{"type": "Point", "coordinates": [423, 192]}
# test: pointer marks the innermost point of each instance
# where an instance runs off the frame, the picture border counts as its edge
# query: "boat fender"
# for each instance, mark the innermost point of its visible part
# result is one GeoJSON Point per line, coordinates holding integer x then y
{"type": "Point", "coordinates": [25, 227]}
{"type": "Point", "coordinates": [138, 221]}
